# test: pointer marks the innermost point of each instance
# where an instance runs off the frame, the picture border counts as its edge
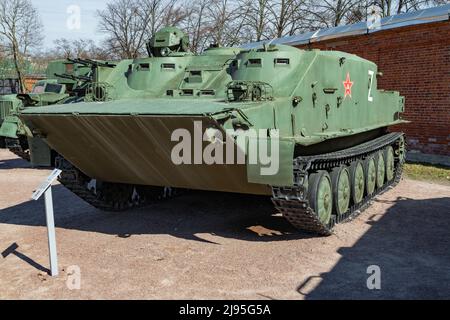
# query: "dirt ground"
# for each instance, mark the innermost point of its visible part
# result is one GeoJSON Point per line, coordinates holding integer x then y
{"type": "Point", "coordinates": [219, 246]}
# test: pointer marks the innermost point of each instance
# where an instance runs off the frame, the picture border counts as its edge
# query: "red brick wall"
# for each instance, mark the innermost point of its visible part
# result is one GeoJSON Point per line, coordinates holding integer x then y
{"type": "Point", "coordinates": [415, 60]}
{"type": "Point", "coordinates": [30, 81]}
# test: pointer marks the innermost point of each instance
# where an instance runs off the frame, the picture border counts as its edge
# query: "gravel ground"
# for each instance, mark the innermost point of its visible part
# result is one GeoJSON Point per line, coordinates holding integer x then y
{"type": "Point", "coordinates": [219, 246]}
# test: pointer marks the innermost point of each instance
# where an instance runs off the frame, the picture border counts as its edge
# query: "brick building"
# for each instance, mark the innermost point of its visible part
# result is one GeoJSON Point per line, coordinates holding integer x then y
{"type": "Point", "coordinates": [413, 53]}
{"type": "Point", "coordinates": [30, 80]}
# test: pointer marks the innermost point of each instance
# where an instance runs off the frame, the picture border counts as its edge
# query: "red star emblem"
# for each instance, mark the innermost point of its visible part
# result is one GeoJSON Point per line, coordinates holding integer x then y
{"type": "Point", "coordinates": [348, 86]}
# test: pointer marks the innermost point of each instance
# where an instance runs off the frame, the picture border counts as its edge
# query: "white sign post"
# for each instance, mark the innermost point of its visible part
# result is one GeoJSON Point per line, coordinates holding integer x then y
{"type": "Point", "coordinates": [46, 189]}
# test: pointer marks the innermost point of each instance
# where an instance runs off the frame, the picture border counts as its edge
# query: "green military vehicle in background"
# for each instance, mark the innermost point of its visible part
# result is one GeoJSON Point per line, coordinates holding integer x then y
{"type": "Point", "coordinates": [321, 108]}
{"type": "Point", "coordinates": [51, 90]}
{"type": "Point", "coordinates": [8, 103]}
{"type": "Point", "coordinates": [9, 87]}
{"type": "Point", "coordinates": [66, 82]}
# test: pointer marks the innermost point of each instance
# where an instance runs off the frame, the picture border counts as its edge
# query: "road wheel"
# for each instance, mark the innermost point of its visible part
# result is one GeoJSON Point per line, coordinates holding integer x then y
{"type": "Point", "coordinates": [381, 169]}
{"type": "Point", "coordinates": [340, 181]}
{"type": "Point", "coordinates": [320, 195]}
{"type": "Point", "coordinates": [357, 181]}
{"type": "Point", "coordinates": [118, 196]}
{"type": "Point", "coordinates": [370, 172]}
{"type": "Point", "coordinates": [149, 194]}
{"type": "Point", "coordinates": [390, 165]}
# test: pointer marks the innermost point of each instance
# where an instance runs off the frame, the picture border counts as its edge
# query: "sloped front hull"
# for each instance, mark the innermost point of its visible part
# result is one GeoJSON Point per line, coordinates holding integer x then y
{"type": "Point", "coordinates": [137, 150]}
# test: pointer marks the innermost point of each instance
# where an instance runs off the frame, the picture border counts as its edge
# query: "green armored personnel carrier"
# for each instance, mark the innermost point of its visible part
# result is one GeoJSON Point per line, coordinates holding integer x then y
{"type": "Point", "coordinates": [63, 78]}
{"type": "Point", "coordinates": [307, 128]}
{"type": "Point", "coordinates": [8, 103]}
{"type": "Point", "coordinates": [8, 89]}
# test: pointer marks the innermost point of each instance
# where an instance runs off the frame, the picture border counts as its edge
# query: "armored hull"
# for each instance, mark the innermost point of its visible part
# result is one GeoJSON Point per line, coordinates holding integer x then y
{"type": "Point", "coordinates": [322, 110]}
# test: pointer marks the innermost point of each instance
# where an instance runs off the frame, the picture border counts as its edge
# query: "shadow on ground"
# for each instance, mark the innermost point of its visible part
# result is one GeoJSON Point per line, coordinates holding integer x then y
{"type": "Point", "coordinates": [244, 217]}
{"type": "Point", "coordinates": [411, 246]}
{"type": "Point", "coordinates": [15, 163]}
{"type": "Point", "coordinates": [18, 163]}
{"type": "Point", "coordinates": [410, 243]}
{"type": "Point", "coordinates": [12, 250]}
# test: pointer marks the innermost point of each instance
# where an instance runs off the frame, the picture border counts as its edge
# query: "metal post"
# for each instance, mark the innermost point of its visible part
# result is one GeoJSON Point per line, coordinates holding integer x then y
{"type": "Point", "coordinates": [51, 232]}
{"type": "Point", "coordinates": [46, 189]}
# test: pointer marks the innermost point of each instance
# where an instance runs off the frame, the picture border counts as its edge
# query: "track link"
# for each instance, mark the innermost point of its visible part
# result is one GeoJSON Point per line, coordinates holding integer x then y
{"type": "Point", "coordinates": [18, 148]}
{"type": "Point", "coordinates": [112, 197]}
{"type": "Point", "coordinates": [292, 202]}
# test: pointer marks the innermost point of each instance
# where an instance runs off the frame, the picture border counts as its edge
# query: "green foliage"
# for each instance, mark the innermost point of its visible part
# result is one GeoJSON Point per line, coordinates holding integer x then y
{"type": "Point", "coordinates": [428, 172]}
{"type": "Point", "coordinates": [7, 69]}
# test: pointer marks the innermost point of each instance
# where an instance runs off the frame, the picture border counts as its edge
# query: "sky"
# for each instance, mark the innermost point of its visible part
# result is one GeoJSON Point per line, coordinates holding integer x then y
{"type": "Point", "coordinates": [60, 19]}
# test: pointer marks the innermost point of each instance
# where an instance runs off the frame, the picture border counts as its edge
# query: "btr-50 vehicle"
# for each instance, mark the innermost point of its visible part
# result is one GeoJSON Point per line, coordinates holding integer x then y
{"type": "Point", "coordinates": [8, 89]}
{"type": "Point", "coordinates": [318, 112]}
{"type": "Point", "coordinates": [64, 81]}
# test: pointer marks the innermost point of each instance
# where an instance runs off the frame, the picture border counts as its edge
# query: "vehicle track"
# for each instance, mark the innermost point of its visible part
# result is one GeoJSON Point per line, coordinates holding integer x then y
{"type": "Point", "coordinates": [113, 197]}
{"type": "Point", "coordinates": [15, 146]}
{"type": "Point", "coordinates": [293, 204]}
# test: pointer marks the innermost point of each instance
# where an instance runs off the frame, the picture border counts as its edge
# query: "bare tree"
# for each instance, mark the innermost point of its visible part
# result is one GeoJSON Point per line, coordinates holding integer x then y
{"type": "Point", "coordinates": [195, 24]}
{"type": "Point", "coordinates": [331, 13]}
{"type": "Point", "coordinates": [225, 22]}
{"type": "Point", "coordinates": [390, 7]}
{"type": "Point", "coordinates": [163, 13]}
{"type": "Point", "coordinates": [2, 51]}
{"type": "Point", "coordinates": [128, 24]}
{"type": "Point", "coordinates": [79, 48]}
{"type": "Point", "coordinates": [63, 48]}
{"type": "Point", "coordinates": [359, 12]}
{"type": "Point", "coordinates": [256, 19]}
{"type": "Point", "coordinates": [173, 14]}
{"type": "Point", "coordinates": [20, 30]}
{"type": "Point", "coordinates": [285, 17]}
{"type": "Point", "coordinates": [125, 23]}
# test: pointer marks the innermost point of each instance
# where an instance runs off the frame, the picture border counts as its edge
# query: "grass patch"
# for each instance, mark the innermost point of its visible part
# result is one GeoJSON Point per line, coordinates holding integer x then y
{"type": "Point", "coordinates": [427, 172]}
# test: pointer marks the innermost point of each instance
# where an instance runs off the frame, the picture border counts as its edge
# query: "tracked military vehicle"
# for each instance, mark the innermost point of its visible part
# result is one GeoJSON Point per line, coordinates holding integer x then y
{"type": "Point", "coordinates": [13, 130]}
{"type": "Point", "coordinates": [8, 103]}
{"type": "Point", "coordinates": [322, 109]}
{"type": "Point", "coordinates": [9, 87]}
{"type": "Point", "coordinates": [65, 82]}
